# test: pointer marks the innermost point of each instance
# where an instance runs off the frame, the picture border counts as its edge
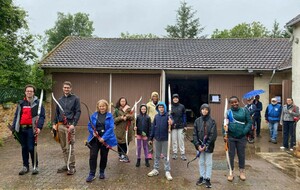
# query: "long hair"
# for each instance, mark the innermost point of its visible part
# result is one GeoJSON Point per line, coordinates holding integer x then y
{"type": "Point", "coordinates": [118, 104]}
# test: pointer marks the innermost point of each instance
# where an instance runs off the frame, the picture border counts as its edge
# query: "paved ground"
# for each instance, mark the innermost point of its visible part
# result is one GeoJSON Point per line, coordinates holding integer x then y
{"type": "Point", "coordinates": [266, 168]}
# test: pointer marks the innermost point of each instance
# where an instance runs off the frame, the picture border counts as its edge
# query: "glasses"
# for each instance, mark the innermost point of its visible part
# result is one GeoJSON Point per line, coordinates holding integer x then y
{"type": "Point", "coordinates": [29, 91]}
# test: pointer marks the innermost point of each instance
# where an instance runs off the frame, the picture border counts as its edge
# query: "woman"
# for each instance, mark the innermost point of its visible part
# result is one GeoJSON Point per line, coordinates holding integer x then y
{"type": "Point", "coordinates": [102, 137]}
{"type": "Point", "coordinates": [290, 115]}
{"type": "Point", "coordinates": [239, 124]}
{"type": "Point", "coordinates": [123, 118]}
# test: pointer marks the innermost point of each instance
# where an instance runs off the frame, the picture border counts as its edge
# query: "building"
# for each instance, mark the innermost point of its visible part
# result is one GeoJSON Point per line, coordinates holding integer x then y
{"type": "Point", "coordinates": [199, 70]}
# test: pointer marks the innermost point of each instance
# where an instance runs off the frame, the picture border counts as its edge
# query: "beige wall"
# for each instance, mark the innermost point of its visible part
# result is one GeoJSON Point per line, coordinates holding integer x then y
{"type": "Point", "coordinates": [296, 71]}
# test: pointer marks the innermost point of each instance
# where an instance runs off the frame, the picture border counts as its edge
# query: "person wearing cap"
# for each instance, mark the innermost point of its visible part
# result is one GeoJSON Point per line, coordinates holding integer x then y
{"type": "Point", "coordinates": [272, 117]}
{"type": "Point", "coordinates": [179, 115]}
{"type": "Point", "coordinates": [251, 108]}
{"type": "Point", "coordinates": [257, 115]}
{"type": "Point", "coordinates": [151, 112]}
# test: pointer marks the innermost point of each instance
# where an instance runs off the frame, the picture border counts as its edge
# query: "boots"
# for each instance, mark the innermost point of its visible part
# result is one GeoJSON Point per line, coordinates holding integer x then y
{"type": "Point", "coordinates": [242, 174]}
{"type": "Point", "coordinates": [138, 162]}
{"type": "Point", "coordinates": [147, 164]}
{"type": "Point", "coordinates": [230, 177]}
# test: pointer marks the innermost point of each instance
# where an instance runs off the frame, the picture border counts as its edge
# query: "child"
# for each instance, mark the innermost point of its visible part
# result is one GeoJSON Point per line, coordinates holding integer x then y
{"type": "Point", "coordinates": [160, 132]}
{"type": "Point", "coordinates": [204, 136]}
{"type": "Point", "coordinates": [142, 128]}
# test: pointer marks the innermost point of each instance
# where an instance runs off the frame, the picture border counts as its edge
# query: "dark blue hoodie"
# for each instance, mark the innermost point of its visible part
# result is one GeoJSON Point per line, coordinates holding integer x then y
{"type": "Point", "coordinates": [160, 125]}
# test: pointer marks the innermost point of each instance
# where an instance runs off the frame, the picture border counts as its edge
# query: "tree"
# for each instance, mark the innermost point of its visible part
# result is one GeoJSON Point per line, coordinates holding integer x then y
{"type": "Point", "coordinates": [69, 25]}
{"type": "Point", "coordinates": [186, 26]}
{"type": "Point", "coordinates": [276, 32]}
{"type": "Point", "coordinates": [243, 30]}
{"type": "Point", "coordinates": [16, 46]}
{"type": "Point", "coordinates": [126, 35]}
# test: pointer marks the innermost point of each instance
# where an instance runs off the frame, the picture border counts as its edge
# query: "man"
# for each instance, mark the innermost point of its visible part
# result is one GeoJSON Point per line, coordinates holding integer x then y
{"type": "Point", "coordinates": [272, 117]}
{"type": "Point", "coordinates": [28, 124]}
{"type": "Point", "coordinates": [151, 111]}
{"type": "Point", "coordinates": [179, 115]}
{"type": "Point", "coordinates": [290, 112]}
{"type": "Point", "coordinates": [65, 122]}
{"type": "Point", "coordinates": [257, 115]}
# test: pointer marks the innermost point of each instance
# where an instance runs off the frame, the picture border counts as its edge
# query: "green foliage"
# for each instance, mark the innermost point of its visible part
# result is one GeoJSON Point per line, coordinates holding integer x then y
{"type": "Point", "coordinates": [39, 79]}
{"type": "Point", "coordinates": [16, 46]}
{"type": "Point", "coordinates": [69, 25]}
{"type": "Point", "coordinates": [243, 30]}
{"type": "Point", "coordinates": [186, 25]}
{"type": "Point", "coordinates": [126, 35]}
{"type": "Point", "coordinates": [10, 95]}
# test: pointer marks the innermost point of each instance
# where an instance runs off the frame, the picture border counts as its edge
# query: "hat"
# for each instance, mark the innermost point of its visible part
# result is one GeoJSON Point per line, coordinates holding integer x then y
{"type": "Point", "coordinates": [175, 96]}
{"type": "Point", "coordinates": [273, 100]}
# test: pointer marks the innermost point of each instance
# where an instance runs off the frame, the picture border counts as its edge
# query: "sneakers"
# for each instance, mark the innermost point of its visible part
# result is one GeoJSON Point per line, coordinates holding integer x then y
{"type": "Point", "coordinates": [183, 157]}
{"type": "Point", "coordinates": [62, 169]}
{"type": "Point", "coordinates": [200, 181]}
{"type": "Point", "coordinates": [242, 175]}
{"type": "Point", "coordinates": [154, 172]}
{"type": "Point", "coordinates": [207, 183]}
{"type": "Point", "coordinates": [71, 171]}
{"type": "Point", "coordinates": [147, 164]}
{"type": "Point", "coordinates": [174, 156]}
{"type": "Point", "coordinates": [138, 162]}
{"type": "Point", "coordinates": [101, 175]}
{"type": "Point", "coordinates": [24, 170]}
{"type": "Point", "coordinates": [91, 177]}
{"type": "Point", "coordinates": [273, 141]}
{"type": "Point", "coordinates": [35, 171]}
{"type": "Point", "coordinates": [124, 159]}
{"type": "Point", "coordinates": [250, 140]}
{"type": "Point", "coordinates": [168, 176]}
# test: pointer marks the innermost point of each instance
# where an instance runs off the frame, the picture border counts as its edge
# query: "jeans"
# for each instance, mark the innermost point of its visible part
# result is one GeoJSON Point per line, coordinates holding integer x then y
{"type": "Point", "coordinates": [205, 165]}
{"type": "Point", "coordinates": [27, 143]}
{"type": "Point", "coordinates": [289, 128]}
{"type": "Point", "coordinates": [273, 126]}
{"type": "Point", "coordinates": [238, 146]}
{"type": "Point", "coordinates": [257, 122]}
{"type": "Point", "coordinates": [161, 147]}
{"type": "Point", "coordinates": [95, 147]}
{"type": "Point", "coordinates": [177, 136]}
{"type": "Point", "coordinates": [65, 145]}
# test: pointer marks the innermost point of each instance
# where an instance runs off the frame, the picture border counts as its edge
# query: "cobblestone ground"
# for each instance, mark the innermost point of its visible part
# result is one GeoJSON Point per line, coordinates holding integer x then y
{"type": "Point", "coordinates": [266, 168]}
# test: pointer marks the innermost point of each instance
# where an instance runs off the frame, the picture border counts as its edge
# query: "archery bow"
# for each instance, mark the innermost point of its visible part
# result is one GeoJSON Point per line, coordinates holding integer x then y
{"type": "Point", "coordinates": [65, 122]}
{"type": "Point", "coordinates": [36, 128]}
{"type": "Point", "coordinates": [129, 122]}
{"type": "Point", "coordinates": [169, 127]}
{"type": "Point", "coordinates": [225, 125]}
{"type": "Point", "coordinates": [97, 134]}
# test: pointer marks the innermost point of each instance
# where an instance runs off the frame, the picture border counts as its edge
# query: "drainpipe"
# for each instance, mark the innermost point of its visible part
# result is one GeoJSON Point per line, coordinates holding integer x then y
{"type": "Point", "coordinates": [272, 76]}
{"type": "Point", "coordinates": [287, 31]}
{"type": "Point", "coordinates": [110, 91]}
{"type": "Point", "coordinates": [162, 85]}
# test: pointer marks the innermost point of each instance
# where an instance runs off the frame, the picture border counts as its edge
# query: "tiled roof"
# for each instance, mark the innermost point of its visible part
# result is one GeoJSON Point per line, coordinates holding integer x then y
{"type": "Point", "coordinates": [293, 21]}
{"type": "Point", "coordinates": [170, 54]}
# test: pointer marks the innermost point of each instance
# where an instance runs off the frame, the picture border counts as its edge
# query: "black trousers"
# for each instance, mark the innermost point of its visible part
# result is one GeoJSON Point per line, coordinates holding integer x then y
{"type": "Point", "coordinates": [27, 143]}
{"type": "Point", "coordinates": [95, 147]}
{"type": "Point", "coordinates": [122, 147]}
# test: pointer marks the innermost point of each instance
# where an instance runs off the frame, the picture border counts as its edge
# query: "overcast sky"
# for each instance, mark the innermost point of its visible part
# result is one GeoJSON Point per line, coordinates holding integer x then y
{"type": "Point", "coordinates": [111, 17]}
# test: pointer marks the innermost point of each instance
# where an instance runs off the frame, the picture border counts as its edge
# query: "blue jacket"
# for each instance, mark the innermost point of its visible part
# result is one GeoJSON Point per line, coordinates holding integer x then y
{"type": "Point", "coordinates": [273, 112]}
{"type": "Point", "coordinates": [109, 135]}
{"type": "Point", "coordinates": [160, 125]}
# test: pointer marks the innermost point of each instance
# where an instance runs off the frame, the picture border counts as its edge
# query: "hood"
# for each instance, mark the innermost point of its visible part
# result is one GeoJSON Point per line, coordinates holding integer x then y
{"type": "Point", "coordinates": [154, 94]}
{"type": "Point", "coordinates": [205, 106]}
{"type": "Point", "coordinates": [143, 105]}
{"type": "Point", "coordinates": [161, 103]}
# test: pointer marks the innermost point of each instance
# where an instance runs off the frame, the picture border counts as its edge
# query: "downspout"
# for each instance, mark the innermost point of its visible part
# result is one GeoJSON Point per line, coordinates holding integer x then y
{"type": "Point", "coordinates": [287, 31]}
{"type": "Point", "coordinates": [110, 92]}
{"type": "Point", "coordinates": [272, 76]}
{"type": "Point", "coordinates": [163, 85]}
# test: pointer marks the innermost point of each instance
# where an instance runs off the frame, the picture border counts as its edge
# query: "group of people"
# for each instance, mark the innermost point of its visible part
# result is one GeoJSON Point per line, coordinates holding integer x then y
{"type": "Point", "coordinates": [107, 130]}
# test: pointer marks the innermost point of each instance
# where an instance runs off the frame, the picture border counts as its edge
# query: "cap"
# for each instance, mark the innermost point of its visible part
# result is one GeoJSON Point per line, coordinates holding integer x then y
{"type": "Point", "coordinates": [175, 96]}
{"type": "Point", "coordinates": [273, 100]}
